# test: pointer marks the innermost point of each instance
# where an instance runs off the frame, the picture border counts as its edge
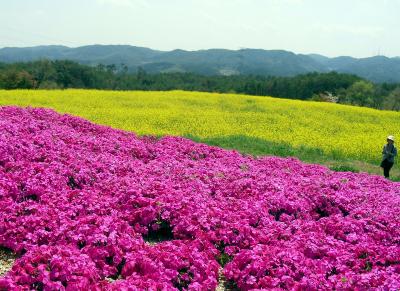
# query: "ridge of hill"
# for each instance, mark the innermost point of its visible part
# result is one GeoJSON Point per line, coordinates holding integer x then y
{"type": "Point", "coordinates": [212, 61]}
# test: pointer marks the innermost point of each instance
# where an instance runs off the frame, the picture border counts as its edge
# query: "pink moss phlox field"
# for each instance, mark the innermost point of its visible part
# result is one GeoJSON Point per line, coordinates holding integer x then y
{"type": "Point", "coordinates": [87, 207]}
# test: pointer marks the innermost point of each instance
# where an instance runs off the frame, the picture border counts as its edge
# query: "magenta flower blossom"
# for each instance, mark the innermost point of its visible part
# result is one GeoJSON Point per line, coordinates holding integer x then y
{"type": "Point", "coordinates": [87, 207]}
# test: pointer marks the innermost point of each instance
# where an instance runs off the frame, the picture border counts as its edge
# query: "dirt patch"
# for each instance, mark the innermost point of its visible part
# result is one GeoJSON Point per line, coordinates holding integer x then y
{"type": "Point", "coordinates": [221, 280]}
{"type": "Point", "coordinates": [6, 261]}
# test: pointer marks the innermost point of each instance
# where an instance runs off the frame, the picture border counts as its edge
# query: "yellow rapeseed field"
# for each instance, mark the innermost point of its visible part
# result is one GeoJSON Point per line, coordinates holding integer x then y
{"type": "Point", "coordinates": [331, 130]}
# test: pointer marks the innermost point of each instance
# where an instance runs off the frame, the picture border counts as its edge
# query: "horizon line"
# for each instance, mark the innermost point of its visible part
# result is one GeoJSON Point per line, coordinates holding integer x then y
{"type": "Point", "coordinates": [195, 50]}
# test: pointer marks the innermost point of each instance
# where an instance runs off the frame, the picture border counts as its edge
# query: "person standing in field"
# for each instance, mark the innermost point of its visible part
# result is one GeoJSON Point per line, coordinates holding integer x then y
{"type": "Point", "coordinates": [388, 153]}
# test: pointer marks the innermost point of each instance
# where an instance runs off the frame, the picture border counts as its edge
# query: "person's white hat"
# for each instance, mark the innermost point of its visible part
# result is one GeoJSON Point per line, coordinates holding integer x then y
{"type": "Point", "coordinates": [390, 137]}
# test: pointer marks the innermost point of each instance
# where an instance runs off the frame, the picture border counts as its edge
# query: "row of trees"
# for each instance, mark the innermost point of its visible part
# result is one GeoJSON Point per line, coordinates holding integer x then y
{"type": "Point", "coordinates": [342, 88]}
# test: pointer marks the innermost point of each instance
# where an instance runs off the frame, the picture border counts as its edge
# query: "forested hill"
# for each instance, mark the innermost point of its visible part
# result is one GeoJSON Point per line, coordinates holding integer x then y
{"type": "Point", "coordinates": [212, 62]}
{"type": "Point", "coordinates": [331, 87]}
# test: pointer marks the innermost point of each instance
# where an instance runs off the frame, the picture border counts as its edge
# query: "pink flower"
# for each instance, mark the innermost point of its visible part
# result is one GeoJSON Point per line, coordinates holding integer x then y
{"type": "Point", "coordinates": [78, 201]}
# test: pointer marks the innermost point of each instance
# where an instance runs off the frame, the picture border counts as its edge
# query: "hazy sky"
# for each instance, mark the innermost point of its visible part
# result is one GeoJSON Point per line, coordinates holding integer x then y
{"type": "Point", "coordinates": [358, 28]}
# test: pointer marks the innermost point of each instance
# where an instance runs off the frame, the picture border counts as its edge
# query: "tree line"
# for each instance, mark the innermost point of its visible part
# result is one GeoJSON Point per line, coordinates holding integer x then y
{"type": "Point", "coordinates": [332, 87]}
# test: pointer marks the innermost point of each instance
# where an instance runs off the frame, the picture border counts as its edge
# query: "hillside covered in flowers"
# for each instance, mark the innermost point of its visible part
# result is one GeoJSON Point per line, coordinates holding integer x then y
{"type": "Point", "coordinates": [87, 207]}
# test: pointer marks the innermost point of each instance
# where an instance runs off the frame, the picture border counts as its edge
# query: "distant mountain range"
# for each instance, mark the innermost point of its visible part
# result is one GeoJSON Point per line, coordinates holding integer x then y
{"type": "Point", "coordinates": [212, 61]}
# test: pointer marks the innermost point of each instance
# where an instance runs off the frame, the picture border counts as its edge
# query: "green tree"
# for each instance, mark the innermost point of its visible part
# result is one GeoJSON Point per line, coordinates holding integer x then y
{"type": "Point", "coordinates": [392, 101]}
{"type": "Point", "coordinates": [18, 79]}
{"type": "Point", "coordinates": [360, 93]}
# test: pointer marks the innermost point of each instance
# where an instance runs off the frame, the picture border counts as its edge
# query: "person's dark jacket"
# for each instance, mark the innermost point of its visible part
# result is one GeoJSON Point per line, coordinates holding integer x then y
{"type": "Point", "coordinates": [389, 152]}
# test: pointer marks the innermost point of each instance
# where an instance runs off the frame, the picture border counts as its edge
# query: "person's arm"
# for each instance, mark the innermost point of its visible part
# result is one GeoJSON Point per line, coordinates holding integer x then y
{"type": "Point", "coordinates": [392, 153]}
{"type": "Point", "coordinates": [384, 150]}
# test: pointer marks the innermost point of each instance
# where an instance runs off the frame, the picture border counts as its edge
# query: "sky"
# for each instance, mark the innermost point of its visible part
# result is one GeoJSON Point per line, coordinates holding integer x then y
{"type": "Point", "coordinates": [358, 28]}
